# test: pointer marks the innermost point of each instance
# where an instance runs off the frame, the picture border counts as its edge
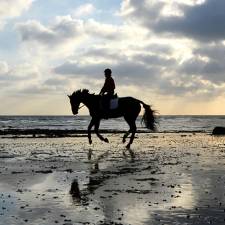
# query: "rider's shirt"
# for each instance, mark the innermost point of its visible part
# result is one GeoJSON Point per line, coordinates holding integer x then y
{"type": "Point", "coordinates": [109, 86]}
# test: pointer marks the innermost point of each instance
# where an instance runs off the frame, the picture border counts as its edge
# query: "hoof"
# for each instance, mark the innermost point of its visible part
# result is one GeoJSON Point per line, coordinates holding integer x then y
{"type": "Point", "coordinates": [106, 140]}
{"type": "Point", "coordinates": [128, 146]}
{"type": "Point", "coordinates": [90, 142]}
{"type": "Point", "coordinates": [124, 140]}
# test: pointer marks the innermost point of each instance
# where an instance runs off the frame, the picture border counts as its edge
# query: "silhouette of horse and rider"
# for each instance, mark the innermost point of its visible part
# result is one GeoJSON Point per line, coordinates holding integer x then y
{"type": "Point", "coordinates": [100, 108]}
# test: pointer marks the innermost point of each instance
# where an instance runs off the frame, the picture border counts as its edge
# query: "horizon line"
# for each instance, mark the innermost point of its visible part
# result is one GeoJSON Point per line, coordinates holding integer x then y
{"type": "Point", "coordinates": [111, 118]}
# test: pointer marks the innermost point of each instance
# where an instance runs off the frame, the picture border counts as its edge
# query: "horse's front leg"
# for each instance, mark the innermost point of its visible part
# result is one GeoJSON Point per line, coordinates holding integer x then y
{"type": "Point", "coordinates": [89, 131]}
{"type": "Point", "coordinates": [97, 133]}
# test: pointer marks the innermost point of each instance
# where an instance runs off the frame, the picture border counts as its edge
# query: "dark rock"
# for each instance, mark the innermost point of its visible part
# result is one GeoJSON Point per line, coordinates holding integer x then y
{"type": "Point", "coordinates": [43, 171]}
{"type": "Point", "coordinates": [218, 131]}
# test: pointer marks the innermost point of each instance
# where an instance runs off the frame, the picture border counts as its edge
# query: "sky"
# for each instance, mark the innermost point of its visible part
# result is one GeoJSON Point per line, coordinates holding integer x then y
{"type": "Point", "coordinates": [168, 53]}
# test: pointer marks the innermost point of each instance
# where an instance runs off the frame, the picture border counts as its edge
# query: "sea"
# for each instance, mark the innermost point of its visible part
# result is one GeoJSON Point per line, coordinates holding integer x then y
{"type": "Point", "coordinates": [164, 123]}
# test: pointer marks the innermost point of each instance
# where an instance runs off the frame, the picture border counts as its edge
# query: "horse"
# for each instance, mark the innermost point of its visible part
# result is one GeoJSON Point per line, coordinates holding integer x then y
{"type": "Point", "coordinates": [128, 107]}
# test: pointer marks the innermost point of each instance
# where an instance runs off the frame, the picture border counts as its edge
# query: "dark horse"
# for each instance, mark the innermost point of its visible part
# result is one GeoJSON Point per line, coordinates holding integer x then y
{"type": "Point", "coordinates": [128, 107]}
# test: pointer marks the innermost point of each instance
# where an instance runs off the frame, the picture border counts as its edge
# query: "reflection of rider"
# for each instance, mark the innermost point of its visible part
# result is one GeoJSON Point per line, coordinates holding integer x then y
{"type": "Point", "coordinates": [108, 88]}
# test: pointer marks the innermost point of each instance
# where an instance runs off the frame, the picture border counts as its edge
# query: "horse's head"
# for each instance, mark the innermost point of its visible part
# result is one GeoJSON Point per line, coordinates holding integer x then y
{"type": "Point", "coordinates": [76, 98]}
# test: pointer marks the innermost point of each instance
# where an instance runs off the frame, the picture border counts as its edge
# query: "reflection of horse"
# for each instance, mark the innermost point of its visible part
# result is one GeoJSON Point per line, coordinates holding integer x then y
{"type": "Point", "coordinates": [128, 107]}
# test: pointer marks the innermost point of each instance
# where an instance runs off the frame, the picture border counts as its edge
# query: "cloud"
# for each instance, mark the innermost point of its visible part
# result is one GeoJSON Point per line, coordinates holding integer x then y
{"type": "Point", "coordinates": [128, 75]}
{"type": "Point", "coordinates": [212, 70]}
{"type": "Point", "coordinates": [101, 30]}
{"type": "Point", "coordinates": [84, 10]}
{"type": "Point", "coordinates": [54, 41]}
{"type": "Point", "coordinates": [207, 62]}
{"type": "Point", "coordinates": [135, 70]}
{"type": "Point", "coordinates": [26, 79]}
{"type": "Point", "coordinates": [92, 60]}
{"type": "Point", "coordinates": [156, 70]}
{"type": "Point", "coordinates": [66, 36]}
{"type": "Point", "coordinates": [178, 67]}
{"type": "Point", "coordinates": [211, 51]}
{"type": "Point", "coordinates": [132, 69]}
{"type": "Point", "coordinates": [190, 86]}
{"type": "Point", "coordinates": [4, 68]}
{"type": "Point", "coordinates": [65, 28]}
{"type": "Point", "coordinates": [13, 79]}
{"type": "Point", "coordinates": [202, 21]}
{"type": "Point", "coordinates": [154, 60]}
{"type": "Point", "coordinates": [13, 8]}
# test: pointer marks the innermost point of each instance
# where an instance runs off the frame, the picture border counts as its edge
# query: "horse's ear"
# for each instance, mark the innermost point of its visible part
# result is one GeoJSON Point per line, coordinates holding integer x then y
{"type": "Point", "coordinates": [69, 96]}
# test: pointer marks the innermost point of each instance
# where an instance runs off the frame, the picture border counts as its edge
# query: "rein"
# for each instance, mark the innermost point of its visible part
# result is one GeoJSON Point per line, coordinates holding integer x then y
{"type": "Point", "coordinates": [81, 106]}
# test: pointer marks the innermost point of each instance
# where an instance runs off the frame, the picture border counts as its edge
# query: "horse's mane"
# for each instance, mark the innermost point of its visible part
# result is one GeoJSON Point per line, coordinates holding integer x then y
{"type": "Point", "coordinates": [81, 91]}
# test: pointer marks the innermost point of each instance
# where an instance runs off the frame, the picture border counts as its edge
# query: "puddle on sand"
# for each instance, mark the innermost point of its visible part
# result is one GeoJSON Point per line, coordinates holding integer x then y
{"type": "Point", "coordinates": [47, 201]}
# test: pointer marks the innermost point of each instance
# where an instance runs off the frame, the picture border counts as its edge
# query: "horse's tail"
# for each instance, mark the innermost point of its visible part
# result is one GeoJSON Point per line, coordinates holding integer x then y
{"type": "Point", "coordinates": [149, 117]}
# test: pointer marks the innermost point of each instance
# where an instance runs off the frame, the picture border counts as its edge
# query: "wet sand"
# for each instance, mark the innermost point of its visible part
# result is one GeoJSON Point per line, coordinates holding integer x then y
{"type": "Point", "coordinates": [170, 178]}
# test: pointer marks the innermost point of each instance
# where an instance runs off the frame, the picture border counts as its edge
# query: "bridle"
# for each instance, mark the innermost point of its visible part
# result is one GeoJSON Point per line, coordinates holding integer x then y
{"type": "Point", "coordinates": [81, 106]}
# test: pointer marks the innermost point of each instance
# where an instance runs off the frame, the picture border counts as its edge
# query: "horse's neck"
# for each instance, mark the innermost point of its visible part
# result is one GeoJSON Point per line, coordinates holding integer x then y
{"type": "Point", "coordinates": [89, 101]}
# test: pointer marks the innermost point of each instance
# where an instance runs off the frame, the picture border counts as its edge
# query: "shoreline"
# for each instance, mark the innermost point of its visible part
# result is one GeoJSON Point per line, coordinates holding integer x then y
{"type": "Point", "coordinates": [53, 133]}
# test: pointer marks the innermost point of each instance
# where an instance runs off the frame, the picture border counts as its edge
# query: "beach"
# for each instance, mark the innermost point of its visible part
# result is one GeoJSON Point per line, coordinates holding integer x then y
{"type": "Point", "coordinates": [168, 178]}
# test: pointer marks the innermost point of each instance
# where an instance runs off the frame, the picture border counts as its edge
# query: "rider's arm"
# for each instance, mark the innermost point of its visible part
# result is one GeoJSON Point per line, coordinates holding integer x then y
{"type": "Point", "coordinates": [102, 91]}
{"type": "Point", "coordinates": [104, 88]}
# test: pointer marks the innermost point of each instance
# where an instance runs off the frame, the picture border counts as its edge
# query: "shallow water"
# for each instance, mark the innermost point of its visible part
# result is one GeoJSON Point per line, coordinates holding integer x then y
{"type": "Point", "coordinates": [165, 123]}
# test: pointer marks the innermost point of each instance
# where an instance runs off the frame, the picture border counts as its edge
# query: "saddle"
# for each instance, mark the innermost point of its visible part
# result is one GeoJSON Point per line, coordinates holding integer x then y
{"type": "Point", "coordinates": [114, 103]}
{"type": "Point", "coordinates": [108, 103]}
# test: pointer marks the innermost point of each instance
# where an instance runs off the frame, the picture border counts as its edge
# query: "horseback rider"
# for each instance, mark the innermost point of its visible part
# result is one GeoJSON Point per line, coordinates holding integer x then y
{"type": "Point", "coordinates": [108, 88]}
{"type": "Point", "coordinates": [109, 85]}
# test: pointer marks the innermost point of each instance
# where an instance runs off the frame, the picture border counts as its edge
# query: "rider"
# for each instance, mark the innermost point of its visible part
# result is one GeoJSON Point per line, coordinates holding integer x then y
{"type": "Point", "coordinates": [108, 88]}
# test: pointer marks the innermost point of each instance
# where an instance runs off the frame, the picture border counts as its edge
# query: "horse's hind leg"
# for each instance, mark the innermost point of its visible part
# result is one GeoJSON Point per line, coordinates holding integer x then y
{"type": "Point", "coordinates": [128, 132]}
{"type": "Point", "coordinates": [133, 130]}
